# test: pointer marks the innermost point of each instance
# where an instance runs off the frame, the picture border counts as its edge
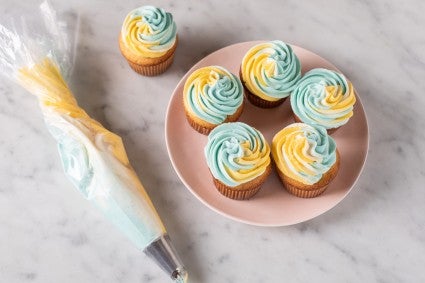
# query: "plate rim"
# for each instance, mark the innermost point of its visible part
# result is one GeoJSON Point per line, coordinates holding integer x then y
{"type": "Point", "coordinates": [254, 223]}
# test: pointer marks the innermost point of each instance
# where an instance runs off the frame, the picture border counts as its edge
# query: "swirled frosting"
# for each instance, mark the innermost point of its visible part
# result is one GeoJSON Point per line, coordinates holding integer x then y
{"type": "Point", "coordinates": [149, 31]}
{"type": "Point", "coordinates": [323, 97]}
{"type": "Point", "coordinates": [236, 153]}
{"type": "Point", "coordinates": [212, 93]}
{"type": "Point", "coordinates": [304, 152]}
{"type": "Point", "coordinates": [271, 70]}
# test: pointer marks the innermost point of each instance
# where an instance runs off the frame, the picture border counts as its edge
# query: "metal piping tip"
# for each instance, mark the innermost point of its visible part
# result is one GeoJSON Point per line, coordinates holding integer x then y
{"type": "Point", "coordinates": [180, 275]}
{"type": "Point", "coordinates": [163, 253]}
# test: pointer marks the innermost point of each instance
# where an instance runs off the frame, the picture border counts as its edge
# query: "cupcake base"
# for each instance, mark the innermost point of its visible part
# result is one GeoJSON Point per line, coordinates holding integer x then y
{"type": "Point", "coordinates": [329, 131]}
{"type": "Point", "coordinates": [302, 190]}
{"type": "Point", "coordinates": [243, 191]}
{"type": "Point", "coordinates": [148, 66]}
{"type": "Point", "coordinates": [154, 70]}
{"type": "Point", "coordinates": [258, 101]}
{"type": "Point", "coordinates": [204, 127]}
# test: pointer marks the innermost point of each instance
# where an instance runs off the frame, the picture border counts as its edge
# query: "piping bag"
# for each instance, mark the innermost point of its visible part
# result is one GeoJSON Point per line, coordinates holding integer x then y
{"type": "Point", "coordinates": [93, 158]}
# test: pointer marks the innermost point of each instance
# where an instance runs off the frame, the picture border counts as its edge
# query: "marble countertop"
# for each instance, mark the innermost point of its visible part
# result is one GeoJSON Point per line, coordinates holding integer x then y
{"type": "Point", "coordinates": [49, 233]}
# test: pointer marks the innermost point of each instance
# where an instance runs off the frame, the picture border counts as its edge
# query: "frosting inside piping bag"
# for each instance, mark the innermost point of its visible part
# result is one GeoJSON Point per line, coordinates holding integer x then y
{"type": "Point", "coordinates": [93, 158]}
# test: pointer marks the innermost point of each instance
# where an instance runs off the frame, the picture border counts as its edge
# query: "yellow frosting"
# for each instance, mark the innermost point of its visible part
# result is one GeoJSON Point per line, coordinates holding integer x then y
{"type": "Point", "coordinates": [130, 38]}
{"type": "Point", "coordinates": [336, 101]}
{"type": "Point", "coordinates": [250, 69]}
{"type": "Point", "coordinates": [323, 97]}
{"type": "Point", "coordinates": [236, 153]}
{"type": "Point", "coordinates": [270, 70]}
{"type": "Point", "coordinates": [94, 158]}
{"type": "Point", "coordinates": [303, 152]}
{"type": "Point", "coordinates": [212, 94]}
{"type": "Point", "coordinates": [45, 80]}
{"type": "Point", "coordinates": [258, 156]}
{"type": "Point", "coordinates": [199, 79]}
{"type": "Point", "coordinates": [149, 31]}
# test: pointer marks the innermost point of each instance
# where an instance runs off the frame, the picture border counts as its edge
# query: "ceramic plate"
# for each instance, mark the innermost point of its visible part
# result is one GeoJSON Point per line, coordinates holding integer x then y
{"type": "Point", "coordinates": [273, 205]}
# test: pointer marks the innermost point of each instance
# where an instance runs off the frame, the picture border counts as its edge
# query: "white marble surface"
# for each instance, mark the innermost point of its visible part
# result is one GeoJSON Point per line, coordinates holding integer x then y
{"type": "Point", "coordinates": [49, 233]}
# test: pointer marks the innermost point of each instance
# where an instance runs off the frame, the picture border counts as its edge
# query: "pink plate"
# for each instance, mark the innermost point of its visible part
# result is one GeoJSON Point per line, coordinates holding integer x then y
{"type": "Point", "coordinates": [273, 205]}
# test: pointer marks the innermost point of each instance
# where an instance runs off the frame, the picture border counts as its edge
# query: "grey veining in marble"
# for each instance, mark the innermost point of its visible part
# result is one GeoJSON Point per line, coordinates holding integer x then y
{"type": "Point", "coordinates": [49, 233]}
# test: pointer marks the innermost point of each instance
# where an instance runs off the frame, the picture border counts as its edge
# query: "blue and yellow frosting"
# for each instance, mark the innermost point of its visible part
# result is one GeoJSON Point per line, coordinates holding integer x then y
{"type": "Point", "coordinates": [323, 97]}
{"type": "Point", "coordinates": [93, 158]}
{"type": "Point", "coordinates": [212, 94]}
{"type": "Point", "coordinates": [236, 153]}
{"type": "Point", "coordinates": [270, 70]}
{"type": "Point", "coordinates": [149, 31]}
{"type": "Point", "coordinates": [304, 152]}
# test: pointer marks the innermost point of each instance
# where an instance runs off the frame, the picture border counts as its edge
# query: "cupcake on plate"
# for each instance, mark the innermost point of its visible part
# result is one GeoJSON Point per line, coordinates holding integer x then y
{"type": "Point", "coordinates": [238, 157]}
{"type": "Point", "coordinates": [211, 96]}
{"type": "Point", "coordinates": [148, 40]}
{"type": "Point", "coordinates": [323, 97]}
{"type": "Point", "coordinates": [269, 73]}
{"type": "Point", "coordinates": [306, 159]}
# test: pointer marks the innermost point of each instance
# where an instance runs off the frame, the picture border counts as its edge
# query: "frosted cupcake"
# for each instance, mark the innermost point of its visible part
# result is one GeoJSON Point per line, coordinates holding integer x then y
{"type": "Point", "coordinates": [269, 73]}
{"type": "Point", "coordinates": [323, 97]}
{"type": "Point", "coordinates": [211, 96]}
{"type": "Point", "coordinates": [148, 40]}
{"type": "Point", "coordinates": [238, 157]}
{"type": "Point", "coordinates": [306, 159]}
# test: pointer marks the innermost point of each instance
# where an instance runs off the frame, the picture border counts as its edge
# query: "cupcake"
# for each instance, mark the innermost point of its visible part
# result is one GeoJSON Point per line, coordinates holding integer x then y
{"type": "Point", "coordinates": [148, 40]}
{"type": "Point", "coordinates": [269, 73]}
{"type": "Point", "coordinates": [323, 97]}
{"type": "Point", "coordinates": [306, 159]}
{"type": "Point", "coordinates": [211, 96]}
{"type": "Point", "coordinates": [238, 157]}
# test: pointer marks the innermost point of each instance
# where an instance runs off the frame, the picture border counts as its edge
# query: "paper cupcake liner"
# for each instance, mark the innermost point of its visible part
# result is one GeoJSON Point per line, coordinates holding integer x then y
{"type": "Point", "coordinates": [312, 190]}
{"type": "Point", "coordinates": [243, 191]}
{"type": "Point", "coordinates": [235, 193]}
{"type": "Point", "coordinates": [302, 193]}
{"type": "Point", "coordinates": [259, 102]}
{"type": "Point", "coordinates": [152, 70]}
{"type": "Point", "coordinates": [148, 66]}
{"type": "Point", "coordinates": [197, 127]}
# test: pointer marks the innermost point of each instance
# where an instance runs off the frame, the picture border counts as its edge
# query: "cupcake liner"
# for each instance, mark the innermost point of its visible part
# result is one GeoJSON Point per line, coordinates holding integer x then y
{"type": "Point", "coordinates": [198, 127]}
{"type": "Point", "coordinates": [259, 102]}
{"type": "Point", "coordinates": [204, 129]}
{"type": "Point", "coordinates": [235, 194]}
{"type": "Point", "coordinates": [246, 190]}
{"type": "Point", "coordinates": [235, 116]}
{"type": "Point", "coordinates": [147, 66]}
{"type": "Point", "coordinates": [152, 70]}
{"type": "Point", "coordinates": [309, 191]}
{"type": "Point", "coordinates": [302, 193]}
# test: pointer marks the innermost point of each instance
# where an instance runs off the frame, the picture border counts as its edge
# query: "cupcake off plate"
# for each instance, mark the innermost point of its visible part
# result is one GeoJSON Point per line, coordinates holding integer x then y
{"type": "Point", "coordinates": [273, 205]}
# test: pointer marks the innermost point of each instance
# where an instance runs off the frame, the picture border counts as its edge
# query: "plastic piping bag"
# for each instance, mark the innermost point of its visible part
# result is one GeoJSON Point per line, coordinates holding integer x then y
{"type": "Point", "coordinates": [93, 158]}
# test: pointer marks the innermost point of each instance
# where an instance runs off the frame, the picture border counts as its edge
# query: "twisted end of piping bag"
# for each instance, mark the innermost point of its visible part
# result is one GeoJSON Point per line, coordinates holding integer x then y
{"type": "Point", "coordinates": [163, 253]}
